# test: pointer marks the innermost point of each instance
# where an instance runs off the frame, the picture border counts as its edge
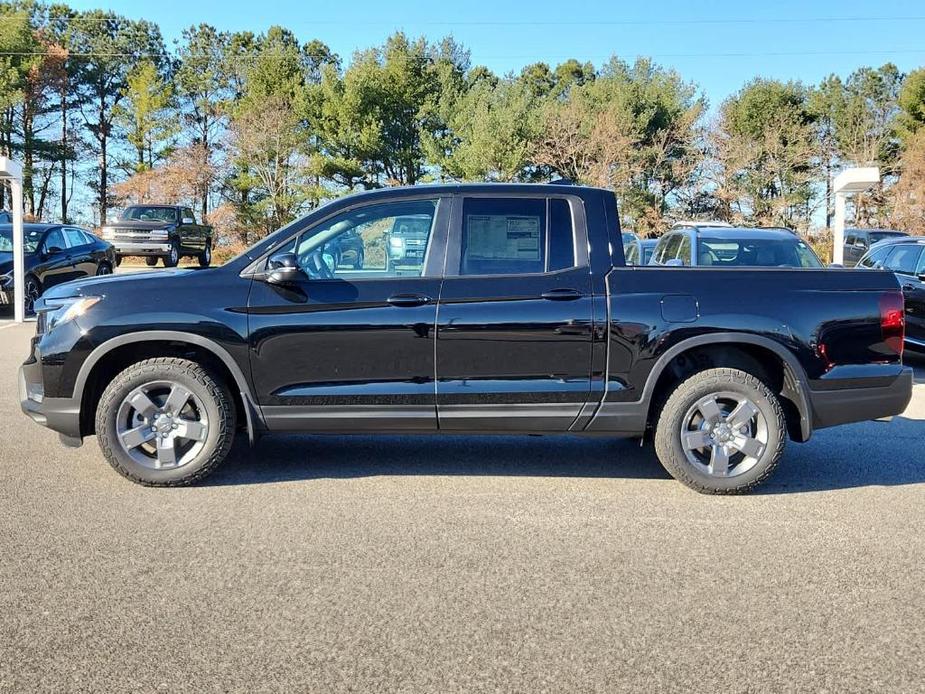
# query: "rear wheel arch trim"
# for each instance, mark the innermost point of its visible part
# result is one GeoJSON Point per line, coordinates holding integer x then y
{"type": "Point", "coordinates": [798, 375]}
{"type": "Point", "coordinates": [251, 408]}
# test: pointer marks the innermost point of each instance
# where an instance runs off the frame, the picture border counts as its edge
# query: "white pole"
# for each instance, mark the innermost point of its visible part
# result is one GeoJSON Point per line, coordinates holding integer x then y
{"type": "Point", "coordinates": [19, 261]}
{"type": "Point", "coordinates": [838, 230]}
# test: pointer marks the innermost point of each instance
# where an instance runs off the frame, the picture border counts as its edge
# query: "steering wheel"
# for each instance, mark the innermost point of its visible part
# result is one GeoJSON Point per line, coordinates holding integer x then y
{"type": "Point", "coordinates": [314, 266]}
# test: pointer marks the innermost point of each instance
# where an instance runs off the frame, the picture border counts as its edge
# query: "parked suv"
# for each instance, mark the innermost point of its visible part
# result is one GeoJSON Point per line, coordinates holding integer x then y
{"type": "Point", "coordinates": [905, 256]}
{"type": "Point", "coordinates": [169, 232]}
{"type": "Point", "coordinates": [859, 241]}
{"type": "Point", "coordinates": [522, 317]}
{"type": "Point", "coordinates": [733, 247]}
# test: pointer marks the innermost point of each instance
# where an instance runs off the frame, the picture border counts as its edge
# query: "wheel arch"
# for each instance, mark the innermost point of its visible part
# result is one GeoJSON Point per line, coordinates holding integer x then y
{"type": "Point", "coordinates": [162, 342]}
{"type": "Point", "coordinates": [792, 386]}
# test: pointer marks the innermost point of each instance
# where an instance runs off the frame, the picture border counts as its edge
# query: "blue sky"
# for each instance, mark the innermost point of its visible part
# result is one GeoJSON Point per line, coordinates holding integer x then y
{"type": "Point", "coordinates": [719, 45]}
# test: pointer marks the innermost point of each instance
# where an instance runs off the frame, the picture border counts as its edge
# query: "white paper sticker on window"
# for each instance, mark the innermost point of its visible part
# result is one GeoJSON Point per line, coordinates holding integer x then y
{"type": "Point", "coordinates": [503, 237]}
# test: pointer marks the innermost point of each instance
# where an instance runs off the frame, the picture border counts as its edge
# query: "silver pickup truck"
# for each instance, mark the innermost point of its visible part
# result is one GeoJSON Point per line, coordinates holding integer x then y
{"type": "Point", "coordinates": [160, 231]}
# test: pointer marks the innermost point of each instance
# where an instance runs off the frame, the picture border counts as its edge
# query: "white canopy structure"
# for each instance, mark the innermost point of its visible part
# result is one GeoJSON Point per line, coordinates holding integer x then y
{"type": "Point", "coordinates": [849, 182]}
{"type": "Point", "coordinates": [11, 172]}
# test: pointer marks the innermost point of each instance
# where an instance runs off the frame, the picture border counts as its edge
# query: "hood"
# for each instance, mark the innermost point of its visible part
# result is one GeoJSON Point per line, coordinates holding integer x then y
{"type": "Point", "coordinates": [139, 224]}
{"type": "Point", "coordinates": [105, 283]}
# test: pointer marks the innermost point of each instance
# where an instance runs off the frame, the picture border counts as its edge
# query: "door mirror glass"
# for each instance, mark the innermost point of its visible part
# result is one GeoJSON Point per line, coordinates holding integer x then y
{"type": "Point", "coordinates": [675, 262]}
{"type": "Point", "coordinates": [283, 268]}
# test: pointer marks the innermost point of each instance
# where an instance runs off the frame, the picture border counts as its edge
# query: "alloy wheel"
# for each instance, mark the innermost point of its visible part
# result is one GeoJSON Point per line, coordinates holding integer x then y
{"type": "Point", "coordinates": [162, 425]}
{"type": "Point", "coordinates": [724, 434]}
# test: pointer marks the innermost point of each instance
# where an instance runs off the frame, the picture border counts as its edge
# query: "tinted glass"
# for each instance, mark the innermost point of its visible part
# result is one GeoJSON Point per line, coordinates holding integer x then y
{"type": "Point", "coordinates": [74, 238]}
{"type": "Point", "coordinates": [904, 258]}
{"type": "Point", "coordinates": [880, 235]}
{"type": "Point", "coordinates": [372, 242]}
{"type": "Point", "coordinates": [145, 213]}
{"type": "Point", "coordinates": [684, 250]}
{"type": "Point", "coordinates": [503, 236]}
{"type": "Point", "coordinates": [874, 259]}
{"type": "Point", "coordinates": [632, 254]}
{"type": "Point", "coordinates": [561, 236]}
{"type": "Point", "coordinates": [55, 239]}
{"type": "Point", "coordinates": [726, 252]}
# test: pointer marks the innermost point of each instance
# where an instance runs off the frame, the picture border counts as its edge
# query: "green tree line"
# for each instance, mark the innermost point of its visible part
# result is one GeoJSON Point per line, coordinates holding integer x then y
{"type": "Point", "coordinates": [256, 129]}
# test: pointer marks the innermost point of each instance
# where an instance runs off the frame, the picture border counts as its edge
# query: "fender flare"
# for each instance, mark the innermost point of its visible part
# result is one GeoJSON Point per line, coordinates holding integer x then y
{"type": "Point", "coordinates": [251, 410]}
{"type": "Point", "coordinates": [795, 390]}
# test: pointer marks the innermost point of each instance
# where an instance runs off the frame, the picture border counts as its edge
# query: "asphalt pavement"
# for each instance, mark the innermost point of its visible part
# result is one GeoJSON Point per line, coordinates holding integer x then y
{"type": "Point", "coordinates": [416, 564]}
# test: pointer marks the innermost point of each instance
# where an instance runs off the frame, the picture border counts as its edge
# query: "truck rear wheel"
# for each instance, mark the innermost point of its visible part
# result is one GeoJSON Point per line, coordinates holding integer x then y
{"type": "Point", "coordinates": [165, 422]}
{"type": "Point", "coordinates": [721, 431]}
{"type": "Point", "coordinates": [205, 258]}
{"type": "Point", "coordinates": [151, 261]}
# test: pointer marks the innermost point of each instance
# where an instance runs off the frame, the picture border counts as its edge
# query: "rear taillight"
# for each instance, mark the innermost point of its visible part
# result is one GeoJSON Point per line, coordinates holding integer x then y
{"type": "Point", "coordinates": [893, 320]}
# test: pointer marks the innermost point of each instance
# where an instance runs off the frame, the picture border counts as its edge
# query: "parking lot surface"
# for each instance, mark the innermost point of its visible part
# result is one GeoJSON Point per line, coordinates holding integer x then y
{"type": "Point", "coordinates": [378, 564]}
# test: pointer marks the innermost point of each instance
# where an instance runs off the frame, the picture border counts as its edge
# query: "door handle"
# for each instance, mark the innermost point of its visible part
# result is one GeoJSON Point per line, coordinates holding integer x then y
{"type": "Point", "coordinates": [561, 295]}
{"type": "Point", "coordinates": [408, 300]}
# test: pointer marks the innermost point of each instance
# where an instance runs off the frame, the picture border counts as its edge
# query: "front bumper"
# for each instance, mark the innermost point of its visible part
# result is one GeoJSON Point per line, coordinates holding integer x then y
{"type": "Point", "coordinates": [140, 247]}
{"type": "Point", "coordinates": [883, 395]}
{"type": "Point", "coordinates": [58, 414]}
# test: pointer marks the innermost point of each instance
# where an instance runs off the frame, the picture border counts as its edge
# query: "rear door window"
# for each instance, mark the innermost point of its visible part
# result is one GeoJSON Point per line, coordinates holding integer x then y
{"type": "Point", "coordinates": [516, 236]}
{"type": "Point", "coordinates": [904, 258]}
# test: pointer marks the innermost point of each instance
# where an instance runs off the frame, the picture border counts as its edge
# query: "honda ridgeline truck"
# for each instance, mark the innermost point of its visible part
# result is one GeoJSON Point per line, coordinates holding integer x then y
{"type": "Point", "coordinates": [520, 317]}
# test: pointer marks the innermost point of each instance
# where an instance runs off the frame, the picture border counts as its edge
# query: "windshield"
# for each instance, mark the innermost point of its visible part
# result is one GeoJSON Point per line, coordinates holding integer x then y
{"type": "Point", "coordinates": [31, 239]}
{"type": "Point", "coordinates": [149, 214]}
{"type": "Point", "coordinates": [880, 235]}
{"type": "Point", "coordinates": [725, 252]}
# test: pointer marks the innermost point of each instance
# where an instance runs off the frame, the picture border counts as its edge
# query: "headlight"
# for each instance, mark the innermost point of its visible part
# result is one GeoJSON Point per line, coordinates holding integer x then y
{"type": "Point", "coordinates": [54, 312]}
{"type": "Point", "coordinates": [396, 242]}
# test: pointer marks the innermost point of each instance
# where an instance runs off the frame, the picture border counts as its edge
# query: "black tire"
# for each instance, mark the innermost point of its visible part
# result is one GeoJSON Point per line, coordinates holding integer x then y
{"type": "Point", "coordinates": [672, 421]}
{"type": "Point", "coordinates": [205, 258]}
{"type": "Point", "coordinates": [32, 289]}
{"type": "Point", "coordinates": [173, 258]}
{"type": "Point", "coordinates": [103, 269]}
{"type": "Point", "coordinates": [118, 260]}
{"type": "Point", "coordinates": [212, 393]}
{"type": "Point", "coordinates": [151, 260]}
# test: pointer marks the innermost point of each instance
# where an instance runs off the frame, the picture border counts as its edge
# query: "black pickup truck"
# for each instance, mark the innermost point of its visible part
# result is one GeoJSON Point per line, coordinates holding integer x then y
{"type": "Point", "coordinates": [521, 317]}
{"type": "Point", "coordinates": [160, 231]}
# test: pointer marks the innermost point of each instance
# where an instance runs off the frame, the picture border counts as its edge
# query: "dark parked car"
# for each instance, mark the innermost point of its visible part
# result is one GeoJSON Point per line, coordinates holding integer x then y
{"type": "Point", "coordinates": [905, 256]}
{"type": "Point", "coordinates": [54, 253]}
{"type": "Point", "coordinates": [522, 318]}
{"type": "Point", "coordinates": [733, 247]}
{"type": "Point", "coordinates": [639, 251]}
{"type": "Point", "coordinates": [859, 241]}
{"type": "Point", "coordinates": [169, 232]}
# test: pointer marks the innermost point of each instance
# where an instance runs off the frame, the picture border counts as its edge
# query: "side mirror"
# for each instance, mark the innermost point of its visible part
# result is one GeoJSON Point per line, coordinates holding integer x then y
{"type": "Point", "coordinates": [921, 277]}
{"type": "Point", "coordinates": [188, 220]}
{"type": "Point", "coordinates": [283, 268]}
{"type": "Point", "coordinates": [675, 262]}
{"type": "Point", "coordinates": [51, 250]}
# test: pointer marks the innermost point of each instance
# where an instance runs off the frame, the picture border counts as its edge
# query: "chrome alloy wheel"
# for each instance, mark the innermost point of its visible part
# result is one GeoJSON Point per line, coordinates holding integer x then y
{"type": "Point", "coordinates": [162, 425]}
{"type": "Point", "coordinates": [724, 434]}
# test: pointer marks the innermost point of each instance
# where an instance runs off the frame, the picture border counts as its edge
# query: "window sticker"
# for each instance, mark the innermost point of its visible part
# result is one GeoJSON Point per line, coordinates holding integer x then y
{"type": "Point", "coordinates": [503, 237]}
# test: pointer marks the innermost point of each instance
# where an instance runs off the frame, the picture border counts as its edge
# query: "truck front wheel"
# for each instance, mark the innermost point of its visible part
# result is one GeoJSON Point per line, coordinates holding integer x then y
{"type": "Point", "coordinates": [173, 256]}
{"type": "Point", "coordinates": [165, 422]}
{"type": "Point", "coordinates": [721, 431]}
